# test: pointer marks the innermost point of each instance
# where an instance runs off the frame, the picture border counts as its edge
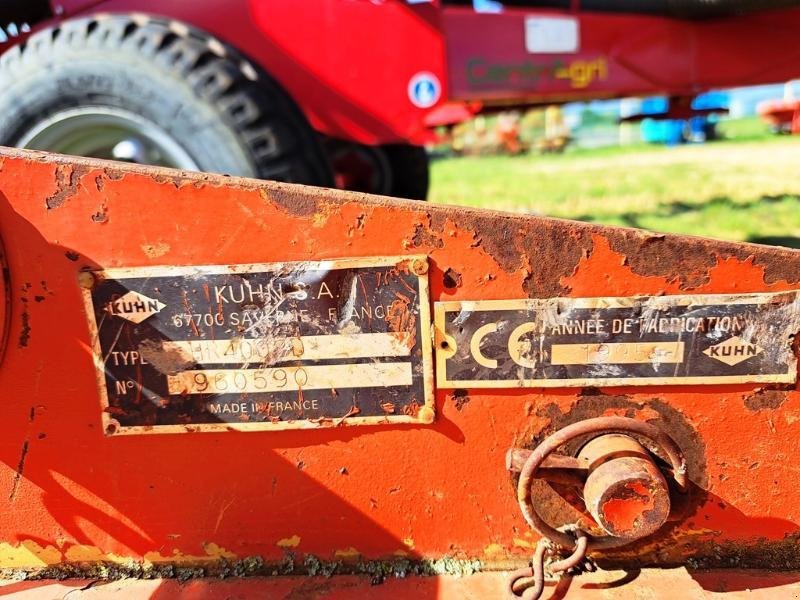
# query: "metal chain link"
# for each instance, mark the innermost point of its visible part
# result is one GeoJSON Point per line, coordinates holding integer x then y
{"type": "Point", "coordinates": [528, 583]}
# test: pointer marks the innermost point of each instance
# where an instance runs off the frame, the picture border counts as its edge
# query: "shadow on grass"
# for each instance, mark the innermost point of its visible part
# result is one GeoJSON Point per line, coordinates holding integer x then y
{"type": "Point", "coordinates": [672, 209]}
{"type": "Point", "coordinates": [776, 240]}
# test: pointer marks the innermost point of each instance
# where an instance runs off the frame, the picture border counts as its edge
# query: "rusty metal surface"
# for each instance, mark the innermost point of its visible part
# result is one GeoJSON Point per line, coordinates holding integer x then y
{"type": "Point", "coordinates": [636, 484]}
{"type": "Point", "coordinates": [625, 491]}
{"type": "Point", "coordinates": [351, 499]}
{"type": "Point", "coordinates": [555, 468]}
{"type": "Point", "coordinates": [529, 503]}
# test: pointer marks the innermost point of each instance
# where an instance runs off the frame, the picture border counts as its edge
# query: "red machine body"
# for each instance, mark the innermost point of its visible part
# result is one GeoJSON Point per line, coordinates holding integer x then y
{"type": "Point", "coordinates": [350, 64]}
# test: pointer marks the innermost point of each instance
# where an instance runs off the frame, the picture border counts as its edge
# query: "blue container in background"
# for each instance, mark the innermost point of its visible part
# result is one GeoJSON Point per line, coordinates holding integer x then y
{"type": "Point", "coordinates": [666, 131]}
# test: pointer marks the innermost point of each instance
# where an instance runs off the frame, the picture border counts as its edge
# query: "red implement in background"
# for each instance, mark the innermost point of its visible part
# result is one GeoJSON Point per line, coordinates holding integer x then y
{"type": "Point", "coordinates": [345, 93]}
{"type": "Point", "coordinates": [783, 115]}
{"type": "Point", "coordinates": [351, 65]}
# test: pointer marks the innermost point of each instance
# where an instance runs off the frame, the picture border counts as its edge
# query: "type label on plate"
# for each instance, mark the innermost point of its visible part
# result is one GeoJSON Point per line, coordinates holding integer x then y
{"type": "Point", "coordinates": [660, 340]}
{"type": "Point", "coordinates": [270, 346]}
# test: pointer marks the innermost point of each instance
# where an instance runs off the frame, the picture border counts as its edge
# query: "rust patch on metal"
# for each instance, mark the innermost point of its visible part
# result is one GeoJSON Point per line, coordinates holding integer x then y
{"type": "Point", "coordinates": [764, 399]}
{"type": "Point", "coordinates": [460, 399]}
{"type": "Point", "coordinates": [667, 417]}
{"type": "Point", "coordinates": [553, 251]}
{"type": "Point", "coordinates": [25, 330]}
{"type": "Point", "coordinates": [178, 179]}
{"type": "Point", "coordinates": [451, 279]}
{"type": "Point", "coordinates": [113, 174]}
{"type": "Point", "coordinates": [625, 491]}
{"type": "Point", "coordinates": [650, 254]}
{"type": "Point", "coordinates": [101, 216]}
{"type": "Point", "coordinates": [68, 178]}
{"type": "Point", "coordinates": [424, 236]}
{"type": "Point", "coordinates": [778, 266]}
{"type": "Point", "coordinates": [20, 469]}
{"type": "Point", "coordinates": [165, 359]}
{"type": "Point", "coordinates": [155, 250]}
{"type": "Point", "coordinates": [689, 259]}
{"type": "Point", "coordinates": [548, 250]}
{"type": "Point", "coordinates": [496, 235]}
{"type": "Point", "coordinates": [292, 201]}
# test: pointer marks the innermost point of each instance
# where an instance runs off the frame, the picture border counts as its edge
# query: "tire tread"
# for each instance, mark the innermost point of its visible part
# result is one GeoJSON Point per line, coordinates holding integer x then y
{"type": "Point", "coordinates": [263, 117]}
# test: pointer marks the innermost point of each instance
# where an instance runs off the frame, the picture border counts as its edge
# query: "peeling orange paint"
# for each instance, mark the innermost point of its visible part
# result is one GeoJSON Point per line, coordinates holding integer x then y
{"type": "Point", "coordinates": [155, 250]}
{"type": "Point", "coordinates": [213, 554]}
{"type": "Point", "coordinates": [494, 550]}
{"type": "Point", "coordinates": [290, 542]}
{"type": "Point", "coordinates": [605, 273]}
{"type": "Point", "coordinates": [520, 543]}
{"type": "Point", "coordinates": [28, 554]}
{"type": "Point", "coordinates": [348, 552]}
{"type": "Point", "coordinates": [81, 553]}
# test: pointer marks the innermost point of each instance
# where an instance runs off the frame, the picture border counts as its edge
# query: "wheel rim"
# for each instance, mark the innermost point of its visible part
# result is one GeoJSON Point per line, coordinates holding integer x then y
{"type": "Point", "coordinates": [108, 133]}
{"type": "Point", "coordinates": [361, 168]}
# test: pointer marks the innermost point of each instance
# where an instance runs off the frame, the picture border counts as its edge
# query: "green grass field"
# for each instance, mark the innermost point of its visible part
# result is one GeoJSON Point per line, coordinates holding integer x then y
{"type": "Point", "coordinates": [746, 187]}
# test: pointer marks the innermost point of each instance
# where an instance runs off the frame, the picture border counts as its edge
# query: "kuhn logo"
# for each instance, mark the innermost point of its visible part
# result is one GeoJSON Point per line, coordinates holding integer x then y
{"type": "Point", "coordinates": [134, 307]}
{"type": "Point", "coordinates": [733, 351]}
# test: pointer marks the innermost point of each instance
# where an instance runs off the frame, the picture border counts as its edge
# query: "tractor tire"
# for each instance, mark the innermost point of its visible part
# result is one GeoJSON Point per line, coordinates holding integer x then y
{"type": "Point", "coordinates": [155, 92]}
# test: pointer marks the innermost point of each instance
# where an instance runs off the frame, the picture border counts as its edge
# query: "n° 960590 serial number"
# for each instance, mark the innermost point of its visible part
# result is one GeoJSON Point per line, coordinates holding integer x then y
{"type": "Point", "coordinates": [224, 381]}
{"type": "Point", "coordinates": [286, 379]}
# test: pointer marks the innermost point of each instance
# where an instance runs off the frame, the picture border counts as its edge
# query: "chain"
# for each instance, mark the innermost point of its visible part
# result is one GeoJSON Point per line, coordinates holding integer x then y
{"type": "Point", "coordinates": [528, 583]}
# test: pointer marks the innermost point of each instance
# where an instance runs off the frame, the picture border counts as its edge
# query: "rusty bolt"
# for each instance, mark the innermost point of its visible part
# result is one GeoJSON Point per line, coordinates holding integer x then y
{"type": "Point", "coordinates": [86, 280]}
{"type": "Point", "coordinates": [625, 491]}
{"type": "Point", "coordinates": [112, 426]}
{"type": "Point", "coordinates": [419, 266]}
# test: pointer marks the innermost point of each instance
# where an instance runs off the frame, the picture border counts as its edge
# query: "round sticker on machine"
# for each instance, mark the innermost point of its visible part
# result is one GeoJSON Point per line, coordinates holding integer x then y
{"type": "Point", "coordinates": [424, 89]}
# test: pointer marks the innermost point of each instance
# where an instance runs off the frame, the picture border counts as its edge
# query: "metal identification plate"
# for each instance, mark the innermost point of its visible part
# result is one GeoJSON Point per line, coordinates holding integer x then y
{"type": "Point", "coordinates": [617, 341]}
{"type": "Point", "coordinates": [262, 347]}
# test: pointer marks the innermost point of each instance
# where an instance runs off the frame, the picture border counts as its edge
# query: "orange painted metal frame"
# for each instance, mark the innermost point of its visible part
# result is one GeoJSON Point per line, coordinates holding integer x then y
{"type": "Point", "coordinates": [392, 493]}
